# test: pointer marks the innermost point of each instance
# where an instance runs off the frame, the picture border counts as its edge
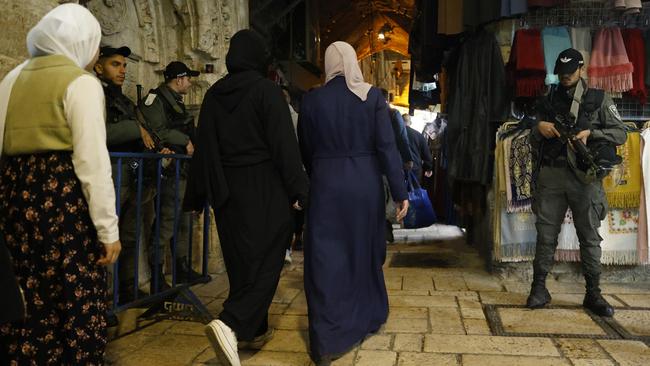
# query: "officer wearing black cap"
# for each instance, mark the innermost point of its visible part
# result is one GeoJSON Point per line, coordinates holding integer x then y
{"type": "Point", "coordinates": [561, 183]}
{"type": "Point", "coordinates": [124, 134]}
{"type": "Point", "coordinates": [164, 111]}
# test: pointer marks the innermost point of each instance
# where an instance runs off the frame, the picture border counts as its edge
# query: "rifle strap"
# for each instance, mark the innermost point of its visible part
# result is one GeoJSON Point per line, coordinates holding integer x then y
{"type": "Point", "coordinates": [577, 99]}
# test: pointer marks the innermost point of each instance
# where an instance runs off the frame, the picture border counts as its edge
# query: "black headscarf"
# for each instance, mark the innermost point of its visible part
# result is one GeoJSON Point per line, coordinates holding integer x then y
{"type": "Point", "coordinates": [247, 61]}
{"type": "Point", "coordinates": [247, 52]}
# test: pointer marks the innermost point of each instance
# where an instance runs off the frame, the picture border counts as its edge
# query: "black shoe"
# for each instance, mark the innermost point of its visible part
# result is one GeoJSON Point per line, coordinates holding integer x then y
{"type": "Point", "coordinates": [184, 272]}
{"type": "Point", "coordinates": [598, 305]}
{"type": "Point", "coordinates": [594, 301]}
{"type": "Point", "coordinates": [539, 295]}
{"type": "Point", "coordinates": [389, 232]}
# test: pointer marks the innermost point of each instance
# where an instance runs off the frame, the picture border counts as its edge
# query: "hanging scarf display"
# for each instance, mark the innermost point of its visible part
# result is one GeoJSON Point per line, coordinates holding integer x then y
{"type": "Point", "coordinates": [635, 48]}
{"type": "Point", "coordinates": [581, 41]}
{"type": "Point", "coordinates": [610, 68]}
{"type": "Point", "coordinates": [526, 64]}
{"type": "Point", "coordinates": [556, 40]}
{"type": "Point", "coordinates": [623, 185]}
{"type": "Point", "coordinates": [521, 174]}
{"type": "Point", "coordinates": [619, 233]}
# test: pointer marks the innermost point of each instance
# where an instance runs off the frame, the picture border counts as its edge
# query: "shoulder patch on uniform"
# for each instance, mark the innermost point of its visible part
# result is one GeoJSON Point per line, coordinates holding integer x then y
{"type": "Point", "coordinates": [150, 98]}
{"type": "Point", "coordinates": [614, 111]}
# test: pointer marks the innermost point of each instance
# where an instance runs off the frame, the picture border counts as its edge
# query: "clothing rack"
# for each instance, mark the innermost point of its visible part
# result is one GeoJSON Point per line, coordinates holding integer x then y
{"type": "Point", "coordinates": [577, 13]}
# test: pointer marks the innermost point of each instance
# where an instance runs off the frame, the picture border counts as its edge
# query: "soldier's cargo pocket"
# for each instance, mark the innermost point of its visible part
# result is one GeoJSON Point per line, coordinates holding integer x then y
{"type": "Point", "coordinates": [598, 211]}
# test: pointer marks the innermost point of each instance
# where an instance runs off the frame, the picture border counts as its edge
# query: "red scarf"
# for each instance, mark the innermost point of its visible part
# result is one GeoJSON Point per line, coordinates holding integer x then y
{"type": "Point", "coordinates": [633, 39]}
{"type": "Point", "coordinates": [526, 64]}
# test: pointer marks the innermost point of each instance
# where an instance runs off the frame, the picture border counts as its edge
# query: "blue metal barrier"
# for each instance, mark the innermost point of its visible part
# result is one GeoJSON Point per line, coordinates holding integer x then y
{"type": "Point", "coordinates": [179, 292]}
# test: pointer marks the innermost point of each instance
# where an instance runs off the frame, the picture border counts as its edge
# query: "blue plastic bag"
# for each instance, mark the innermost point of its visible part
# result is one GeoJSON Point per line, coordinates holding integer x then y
{"type": "Point", "coordinates": [420, 213]}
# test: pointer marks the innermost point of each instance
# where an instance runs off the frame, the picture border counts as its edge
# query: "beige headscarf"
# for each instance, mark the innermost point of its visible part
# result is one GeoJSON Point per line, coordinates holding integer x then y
{"type": "Point", "coordinates": [341, 59]}
{"type": "Point", "coordinates": [69, 30]}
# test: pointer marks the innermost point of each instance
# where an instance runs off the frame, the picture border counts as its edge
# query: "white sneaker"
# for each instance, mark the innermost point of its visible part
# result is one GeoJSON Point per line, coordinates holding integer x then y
{"type": "Point", "coordinates": [287, 257]}
{"type": "Point", "coordinates": [224, 342]}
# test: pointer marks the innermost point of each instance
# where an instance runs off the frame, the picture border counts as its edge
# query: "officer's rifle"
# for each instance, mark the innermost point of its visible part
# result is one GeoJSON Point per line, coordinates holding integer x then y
{"type": "Point", "coordinates": [566, 125]}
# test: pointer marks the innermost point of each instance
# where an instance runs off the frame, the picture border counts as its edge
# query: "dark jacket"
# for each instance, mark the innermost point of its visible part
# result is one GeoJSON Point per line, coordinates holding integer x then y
{"type": "Point", "coordinates": [422, 159]}
{"type": "Point", "coordinates": [166, 116]}
{"type": "Point", "coordinates": [401, 136]}
{"type": "Point", "coordinates": [477, 105]}
{"type": "Point", "coordinates": [122, 130]}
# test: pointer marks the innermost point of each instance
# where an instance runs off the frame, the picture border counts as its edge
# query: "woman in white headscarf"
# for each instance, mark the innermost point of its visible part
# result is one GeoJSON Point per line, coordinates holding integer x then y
{"type": "Point", "coordinates": [57, 203]}
{"type": "Point", "coordinates": [347, 144]}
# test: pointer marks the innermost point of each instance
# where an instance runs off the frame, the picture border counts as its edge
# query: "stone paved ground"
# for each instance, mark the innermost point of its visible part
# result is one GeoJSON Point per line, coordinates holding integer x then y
{"type": "Point", "coordinates": [437, 317]}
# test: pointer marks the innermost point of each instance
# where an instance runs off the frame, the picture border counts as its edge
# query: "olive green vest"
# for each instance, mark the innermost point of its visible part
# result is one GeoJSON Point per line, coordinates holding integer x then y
{"type": "Point", "coordinates": [36, 121]}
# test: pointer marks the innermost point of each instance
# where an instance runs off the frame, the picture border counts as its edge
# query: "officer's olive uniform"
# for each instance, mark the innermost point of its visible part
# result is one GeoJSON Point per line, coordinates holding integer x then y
{"type": "Point", "coordinates": [165, 113]}
{"type": "Point", "coordinates": [123, 135]}
{"type": "Point", "coordinates": [558, 186]}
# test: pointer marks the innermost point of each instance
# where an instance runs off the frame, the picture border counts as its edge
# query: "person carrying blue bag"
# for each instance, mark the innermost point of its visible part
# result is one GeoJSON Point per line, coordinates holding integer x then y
{"type": "Point", "coordinates": [420, 213]}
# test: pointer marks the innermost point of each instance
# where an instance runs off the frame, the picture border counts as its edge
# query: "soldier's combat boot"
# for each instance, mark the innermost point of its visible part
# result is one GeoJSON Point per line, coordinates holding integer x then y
{"type": "Point", "coordinates": [594, 301]}
{"type": "Point", "coordinates": [539, 295]}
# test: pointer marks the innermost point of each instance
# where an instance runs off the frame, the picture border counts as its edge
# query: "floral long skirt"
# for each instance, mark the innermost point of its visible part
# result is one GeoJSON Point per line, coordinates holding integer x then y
{"type": "Point", "coordinates": [46, 223]}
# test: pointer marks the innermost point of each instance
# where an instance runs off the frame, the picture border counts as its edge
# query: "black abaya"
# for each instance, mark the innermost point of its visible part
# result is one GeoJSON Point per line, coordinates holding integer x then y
{"type": "Point", "coordinates": [247, 165]}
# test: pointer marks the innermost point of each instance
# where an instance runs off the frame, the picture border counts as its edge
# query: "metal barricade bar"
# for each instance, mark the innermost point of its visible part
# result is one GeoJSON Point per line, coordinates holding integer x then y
{"type": "Point", "coordinates": [157, 298]}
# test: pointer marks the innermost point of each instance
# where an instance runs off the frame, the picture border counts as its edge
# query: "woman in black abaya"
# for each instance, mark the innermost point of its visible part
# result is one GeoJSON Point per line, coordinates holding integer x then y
{"type": "Point", "coordinates": [247, 164]}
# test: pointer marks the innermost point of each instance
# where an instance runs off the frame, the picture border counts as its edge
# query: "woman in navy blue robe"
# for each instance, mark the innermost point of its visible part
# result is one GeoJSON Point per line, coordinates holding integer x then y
{"type": "Point", "coordinates": [347, 144]}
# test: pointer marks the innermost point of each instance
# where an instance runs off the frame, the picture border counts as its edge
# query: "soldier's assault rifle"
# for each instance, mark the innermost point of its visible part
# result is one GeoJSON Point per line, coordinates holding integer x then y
{"type": "Point", "coordinates": [567, 126]}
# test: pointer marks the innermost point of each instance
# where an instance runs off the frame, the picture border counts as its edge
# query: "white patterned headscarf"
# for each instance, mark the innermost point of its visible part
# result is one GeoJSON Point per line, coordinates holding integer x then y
{"type": "Point", "coordinates": [69, 30]}
{"type": "Point", "coordinates": [341, 59]}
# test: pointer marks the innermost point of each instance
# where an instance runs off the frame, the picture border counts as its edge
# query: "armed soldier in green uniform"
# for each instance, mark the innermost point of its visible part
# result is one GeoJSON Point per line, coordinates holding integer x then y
{"type": "Point", "coordinates": [124, 134]}
{"type": "Point", "coordinates": [568, 179]}
{"type": "Point", "coordinates": [167, 118]}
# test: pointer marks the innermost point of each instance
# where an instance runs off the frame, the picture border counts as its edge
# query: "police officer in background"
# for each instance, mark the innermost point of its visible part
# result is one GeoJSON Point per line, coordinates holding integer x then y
{"type": "Point", "coordinates": [165, 114]}
{"type": "Point", "coordinates": [563, 183]}
{"type": "Point", "coordinates": [124, 134]}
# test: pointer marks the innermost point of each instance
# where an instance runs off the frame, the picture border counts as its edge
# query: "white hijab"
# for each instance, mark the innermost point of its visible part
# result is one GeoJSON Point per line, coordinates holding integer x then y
{"type": "Point", "coordinates": [341, 59]}
{"type": "Point", "coordinates": [69, 30]}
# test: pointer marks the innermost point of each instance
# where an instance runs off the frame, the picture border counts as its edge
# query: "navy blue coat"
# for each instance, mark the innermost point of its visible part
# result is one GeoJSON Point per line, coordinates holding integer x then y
{"type": "Point", "coordinates": [347, 145]}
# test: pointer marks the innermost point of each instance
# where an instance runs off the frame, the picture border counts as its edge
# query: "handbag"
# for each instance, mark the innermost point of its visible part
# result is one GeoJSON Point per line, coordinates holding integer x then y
{"type": "Point", "coordinates": [420, 213]}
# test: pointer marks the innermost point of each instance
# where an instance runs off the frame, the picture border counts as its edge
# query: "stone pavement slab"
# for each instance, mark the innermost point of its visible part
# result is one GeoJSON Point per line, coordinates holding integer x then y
{"type": "Point", "coordinates": [636, 322]}
{"type": "Point", "coordinates": [548, 321]}
{"type": "Point", "coordinates": [592, 362]}
{"type": "Point", "coordinates": [287, 341]}
{"type": "Point", "coordinates": [426, 359]}
{"type": "Point", "coordinates": [395, 325]}
{"type": "Point", "coordinates": [476, 327]}
{"type": "Point", "coordinates": [575, 348]}
{"type": "Point", "coordinates": [494, 360]}
{"type": "Point", "coordinates": [375, 358]}
{"type": "Point", "coordinates": [266, 358]}
{"type": "Point", "coordinates": [423, 301]}
{"type": "Point", "coordinates": [408, 342]}
{"type": "Point", "coordinates": [446, 321]}
{"type": "Point", "coordinates": [627, 353]}
{"type": "Point", "coordinates": [378, 342]}
{"type": "Point", "coordinates": [289, 322]}
{"type": "Point", "coordinates": [472, 344]}
{"type": "Point", "coordinates": [636, 300]}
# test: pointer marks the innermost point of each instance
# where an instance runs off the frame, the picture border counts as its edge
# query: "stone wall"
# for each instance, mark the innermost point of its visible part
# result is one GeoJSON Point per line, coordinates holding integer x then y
{"type": "Point", "coordinates": [196, 32]}
{"type": "Point", "coordinates": [18, 17]}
